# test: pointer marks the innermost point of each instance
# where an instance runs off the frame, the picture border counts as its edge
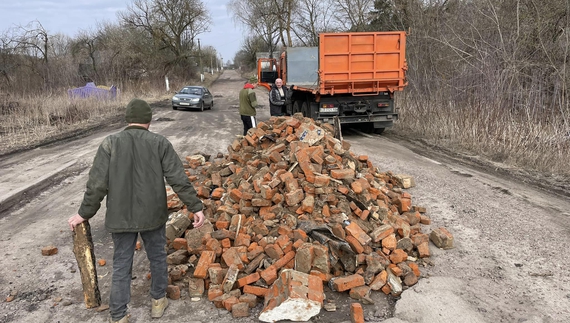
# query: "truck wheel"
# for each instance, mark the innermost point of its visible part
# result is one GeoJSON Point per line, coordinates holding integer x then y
{"type": "Point", "coordinates": [367, 127]}
{"type": "Point", "coordinates": [378, 131]}
{"type": "Point", "coordinates": [296, 107]}
{"type": "Point", "coordinates": [305, 109]}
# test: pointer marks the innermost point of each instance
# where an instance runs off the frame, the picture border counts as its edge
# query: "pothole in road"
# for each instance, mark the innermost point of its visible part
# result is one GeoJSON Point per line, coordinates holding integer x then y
{"type": "Point", "coordinates": [502, 190]}
{"type": "Point", "coordinates": [33, 297]}
{"type": "Point", "coordinates": [461, 174]}
{"type": "Point", "coordinates": [164, 119]}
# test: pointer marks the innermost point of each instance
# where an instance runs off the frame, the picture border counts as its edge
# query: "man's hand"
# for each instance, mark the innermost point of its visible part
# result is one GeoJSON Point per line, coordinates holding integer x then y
{"type": "Point", "coordinates": [74, 221]}
{"type": "Point", "coordinates": [199, 219]}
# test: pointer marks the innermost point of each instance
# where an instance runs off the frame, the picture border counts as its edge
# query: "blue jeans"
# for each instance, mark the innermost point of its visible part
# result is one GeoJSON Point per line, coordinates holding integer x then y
{"type": "Point", "coordinates": [124, 249]}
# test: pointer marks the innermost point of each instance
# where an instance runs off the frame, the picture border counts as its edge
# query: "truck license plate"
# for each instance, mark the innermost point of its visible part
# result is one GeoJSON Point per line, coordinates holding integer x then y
{"type": "Point", "coordinates": [328, 110]}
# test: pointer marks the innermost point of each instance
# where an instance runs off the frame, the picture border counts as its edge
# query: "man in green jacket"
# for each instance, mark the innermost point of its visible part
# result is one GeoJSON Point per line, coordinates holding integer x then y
{"type": "Point", "coordinates": [247, 105]}
{"type": "Point", "coordinates": [129, 168]}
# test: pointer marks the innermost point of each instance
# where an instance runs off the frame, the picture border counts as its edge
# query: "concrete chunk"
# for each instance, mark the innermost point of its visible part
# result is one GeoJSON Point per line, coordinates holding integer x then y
{"type": "Point", "coordinates": [290, 293]}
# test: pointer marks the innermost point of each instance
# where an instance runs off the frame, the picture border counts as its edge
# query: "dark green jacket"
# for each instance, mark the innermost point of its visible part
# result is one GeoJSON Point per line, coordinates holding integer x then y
{"type": "Point", "coordinates": [129, 168]}
{"type": "Point", "coordinates": [247, 102]}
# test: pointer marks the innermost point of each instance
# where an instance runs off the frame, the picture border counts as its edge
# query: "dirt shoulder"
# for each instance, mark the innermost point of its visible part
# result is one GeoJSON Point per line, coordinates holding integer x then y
{"type": "Point", "coordinates": [552, 183]}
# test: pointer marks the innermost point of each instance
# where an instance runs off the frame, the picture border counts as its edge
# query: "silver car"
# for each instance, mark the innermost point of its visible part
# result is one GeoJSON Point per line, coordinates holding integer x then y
{"type": "Point", "coordinates": [193, 97]}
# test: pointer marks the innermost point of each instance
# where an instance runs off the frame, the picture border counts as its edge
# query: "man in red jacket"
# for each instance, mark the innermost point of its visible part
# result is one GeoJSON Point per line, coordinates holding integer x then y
{"type": "Point", "coordinates": [247, 105]}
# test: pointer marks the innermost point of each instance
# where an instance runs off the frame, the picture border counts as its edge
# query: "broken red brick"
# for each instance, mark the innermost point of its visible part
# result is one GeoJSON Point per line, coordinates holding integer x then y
{"type": "Point", "coordinates": [173, 292]}
{"type": "Point", "coordinates": [354, 230]}
{"type": "Point", "coordinates": [342, 173]}
{"type": "Point", "coordinates": [360, 292]}
{"type": "Point", "coordinates": [250, 279]}
{"type": "Point", "coordinates": [379, 281]}
{"type": "Point", "coordinates": [356, 313]}
{"type": "Point", "coordinates": [341, 284]}
{"type": "Point", "coordinates": [196, 287]}
{"type": "Point", "coordinates": [354, 244]}
{"type": "Point", "coordinates": [255, 290]}
{"type": "Point", "coordinates": [249, 299]}
{"type": "Point", "coordinates": [214, 292]}
{"type": "Point", "coordinates": [179, 243]}
{"type": "Point", "coordinates": [441, 238]}
{"type": "Point", "coordinates": [423, 249]}
{"type": "Point", "coordinates": [229, 302]}
{"type": "Point", "coordinates": [293, 288]}
{"type": "Point", "coordinates": [206, 258]}
{"type": "Point", "coordinates": [381, 232]}
{"type": "Point", "coordinates": [49, 251]}
{"type": "Point", "coordinates": [240, 310]}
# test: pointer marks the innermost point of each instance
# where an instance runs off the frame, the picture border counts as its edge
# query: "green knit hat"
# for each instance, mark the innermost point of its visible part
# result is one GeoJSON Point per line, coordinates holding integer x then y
{"type": "Point", "coordinates": [138, 111]}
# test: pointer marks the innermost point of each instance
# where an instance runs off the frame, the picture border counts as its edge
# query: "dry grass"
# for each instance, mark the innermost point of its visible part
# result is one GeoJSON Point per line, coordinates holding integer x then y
{"type": "Point", "coordinates": [523, 138]}
{"type": "Point", "coordinates": [30, 121]}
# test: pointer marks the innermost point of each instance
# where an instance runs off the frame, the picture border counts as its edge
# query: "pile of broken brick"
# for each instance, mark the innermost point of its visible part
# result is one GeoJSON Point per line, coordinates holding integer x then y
{"type": "Point", "coordinates": [289, 209]}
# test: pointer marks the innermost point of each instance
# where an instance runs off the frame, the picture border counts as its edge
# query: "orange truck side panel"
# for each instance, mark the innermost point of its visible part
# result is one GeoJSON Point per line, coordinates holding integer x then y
{"type": "Point", "coordinates": [362, 63]}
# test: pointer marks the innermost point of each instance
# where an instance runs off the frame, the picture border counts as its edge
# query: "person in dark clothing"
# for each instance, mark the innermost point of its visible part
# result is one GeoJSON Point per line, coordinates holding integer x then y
{"type": "Point", "coordinates": [130, 168]}
{"type": "Point", "coordinates": [248, 105]}
{"type": "Point", "coordinates": [277, 98]}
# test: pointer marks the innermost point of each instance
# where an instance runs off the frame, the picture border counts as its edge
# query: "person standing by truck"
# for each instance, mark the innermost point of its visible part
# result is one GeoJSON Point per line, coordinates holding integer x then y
{"type": "Point", "coordinates": [277, 98]}
{"type": "Point", "coordinates": [130, 168]}
{"type": "Point", "coordinates": [248, 105]}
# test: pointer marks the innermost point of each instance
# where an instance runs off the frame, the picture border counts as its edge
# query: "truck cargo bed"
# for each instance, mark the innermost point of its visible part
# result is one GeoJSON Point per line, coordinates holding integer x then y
{"type": "Point", "coordinates": [355, 63]}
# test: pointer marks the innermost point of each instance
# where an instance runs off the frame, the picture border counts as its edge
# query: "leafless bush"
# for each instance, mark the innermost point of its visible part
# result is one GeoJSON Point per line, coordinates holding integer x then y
{"type": "Point", "coordinates": [38, 118]}
{"type": "Point", "coordinates": [8, 106]}
{"type": "Point", "coordinates": [490, 77]}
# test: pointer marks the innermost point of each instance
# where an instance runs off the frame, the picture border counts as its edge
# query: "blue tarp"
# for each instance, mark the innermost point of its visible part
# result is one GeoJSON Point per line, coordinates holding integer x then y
{"type": "Point", "coordinates": [90, 90]}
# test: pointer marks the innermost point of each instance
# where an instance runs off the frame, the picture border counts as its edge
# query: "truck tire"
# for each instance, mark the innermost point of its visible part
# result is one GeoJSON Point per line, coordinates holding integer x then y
{"type": "Point", "coordinates": [378, 131]}
{"type": "Point", "coordinates": [305, 109]}
{"type": "Point", "coordinates": [296, 107]}
{"type": "Point", "coordinates": [367, 127]}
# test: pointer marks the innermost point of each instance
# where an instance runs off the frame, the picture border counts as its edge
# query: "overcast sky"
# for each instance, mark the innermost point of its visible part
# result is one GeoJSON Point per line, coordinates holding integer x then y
{"type": "Point", "coordinates": [71, 16]}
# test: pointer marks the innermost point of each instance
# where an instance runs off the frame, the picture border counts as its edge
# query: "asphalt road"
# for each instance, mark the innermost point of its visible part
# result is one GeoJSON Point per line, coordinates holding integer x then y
{"type": "Point", "coordinates": [510, 263]}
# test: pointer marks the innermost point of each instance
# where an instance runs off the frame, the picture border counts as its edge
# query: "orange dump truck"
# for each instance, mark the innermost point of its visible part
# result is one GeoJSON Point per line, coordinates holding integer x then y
{"type": "Point", "coordinates": [349, 75]}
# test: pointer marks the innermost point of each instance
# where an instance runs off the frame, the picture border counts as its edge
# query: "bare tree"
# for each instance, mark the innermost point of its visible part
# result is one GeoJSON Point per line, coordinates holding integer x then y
{"type": "Point", "coordinates": [259, 18]}
{"type": "Point", "coordinates": [354, 15]}
{"type": "Point", "coordinates": [173, 24]}
{"type": "Point", "coordinates": [60, 45]}
{"type": "Point", "coordinates": [251, 45]}
{"type": "Point", "coordinates": [86, 45]}
{"type": "Point", "coordinates": [33, 40]}
{"type": "Point", "coordinates": [283, 11]}
{"type": "Point", "coordinates": [7, 58]}
{"type": "Point", "coordinates": [312, 17]}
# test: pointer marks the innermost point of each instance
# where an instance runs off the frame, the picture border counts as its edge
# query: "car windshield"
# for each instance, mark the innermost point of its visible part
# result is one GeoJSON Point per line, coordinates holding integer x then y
{"type": "Point", "coordinates": [191, 90]}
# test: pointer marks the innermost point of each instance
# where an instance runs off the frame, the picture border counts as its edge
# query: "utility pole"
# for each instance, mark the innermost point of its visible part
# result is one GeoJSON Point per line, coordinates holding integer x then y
{"type": "Point", "coordinates": [211, 65]}
{"type": "Point", "coordinates": [200, 62]}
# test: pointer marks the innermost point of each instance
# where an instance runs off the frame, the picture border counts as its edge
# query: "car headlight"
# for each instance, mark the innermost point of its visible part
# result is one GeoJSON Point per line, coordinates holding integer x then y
{"type": "Point", "coordinates": [195, 99]}
{"type": "Point", "coordinates": [174, 98]}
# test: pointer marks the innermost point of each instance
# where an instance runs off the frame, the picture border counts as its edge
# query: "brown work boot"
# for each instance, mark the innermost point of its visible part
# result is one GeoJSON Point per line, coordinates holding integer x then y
{"type": "Point", "coordinates": [125, 319]}
{"type": "Point", "coordinates": [158, 307]}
